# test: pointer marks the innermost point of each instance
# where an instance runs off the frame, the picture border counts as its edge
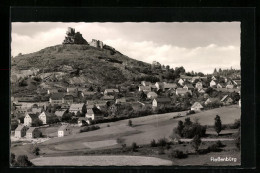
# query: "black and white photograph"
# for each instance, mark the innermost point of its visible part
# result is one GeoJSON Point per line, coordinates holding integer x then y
{"type": "Point", "coordinates": [125, 94]}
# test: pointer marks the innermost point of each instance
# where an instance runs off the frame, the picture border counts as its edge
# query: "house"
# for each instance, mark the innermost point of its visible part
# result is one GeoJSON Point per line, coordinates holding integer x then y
{"type": "Point", "coordinates": [64, 130]}
{"type": "Point", "coordinates": [213, 78]}
{"type": "Point", "coordinates": [163, 101]}
{"type": "Point", "coordinates": [65, 106]}
{"type": "Point", "coordinates": [29, 118]}
{"type": "Point", "coordinates": [20, 131]}
{"type": "Point", "coordinates": [213, 83]}
{"type": "Point", "coordinates": [94, 114]}
{"type": "Point", "coordinates": [60, 113]}
{"type": "Point", "coordinates": [33, 132]}
{"type": "Point", "coordinates": [82, 121]}
{"type": "Point", "coordinates": [145, 88]}
{"type": "Point", "coordinates": [226, 100]}
{"type": "Point", "coordinates": [219, 85]}
{"type": "Point", "coordinates": [167, 86]}
{"type": "Point", "coordinates": [196, 107]}
{"type": "Point", "coordinates": [68, 98]}
{"type": "Point", "coordinates": [199, 85]}
{"type": "Point", "coordinates": [72, 90]}
{"type": "Point", "coordinates": [181, 81]}
{"type": "Point", "coordinates": [74, 108]}
{"type": "Point", "coordinates": [229, 85]}
{"type": "Point", "coordinates": [237, 83]}
{"type": "Point", "coordinates": [181, 91]}
{"type": "Point", "coordinates": [86, 93]}
{"type": "Point", "coordinates": [110, 91]}
{"type": "Point", "coordinates": [153, 87]}
{"type": "Point", "coordinates": [36, 110]}
{"type": "Point", "coordinates": [202, 90]}
{"type": "Point", "coordinates": [159, 85]}
{"type": "Point", "coordinates": [152, 95]}
{"type": "Point", "coordinates": [56, 98]}
{"type": "Point", "coordinates": [108, 97]}
{"type": "Point", "coordinates": [145, 83]}
{"type": "Point", "coordinates": [121, 100]}
{"type": "Point", "coordinates": [193, 79]}
{"type": "Point", "coordinates": [43, 117]}
{"type": "Point", "coordinates": [211, 100]}
{"type": "Point", "coordinates": [188, 86]}
{"type": "Point", "coordinates": [51, 91]}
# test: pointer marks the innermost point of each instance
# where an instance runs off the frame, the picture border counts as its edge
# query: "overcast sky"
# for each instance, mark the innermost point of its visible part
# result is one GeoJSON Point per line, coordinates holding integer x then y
{"type": "Point", "coordinates": [197, 46]}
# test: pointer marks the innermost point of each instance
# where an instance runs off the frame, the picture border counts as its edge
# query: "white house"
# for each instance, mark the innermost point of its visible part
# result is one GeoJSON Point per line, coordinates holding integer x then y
{"type": "Point", "coordinates": [196, 107]}
{"type": "Point", "coordinates": [213, 83]}
{"type": "Point", "coordinates": [33, 132]}
{"type": "Point", "coordinates": [43, 117]}
{"type": "Point", "coordinates": [94, 114]}
{"type": "Point", "coordinates": [145, 83]}
{"type": "Point", "coordinates": [152, 95]}
{"type": "Point", "coordinates": [20, 131]}
{"type": "Point", "coordinates": [28, 119]}
{"type": "Point", "coordinates": [64, 130]}
{"type": "Point", "coordinates": [165, 101]}
{"type": "Point", "coordinates": [181, 81]}
{"type": "Point", "coordinates": [199, 85]}
{"type": "Point", "coordinates": [74, 108]}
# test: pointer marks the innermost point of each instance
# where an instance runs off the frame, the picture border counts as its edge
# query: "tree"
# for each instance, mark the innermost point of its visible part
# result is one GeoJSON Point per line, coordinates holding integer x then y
{"type": "Point", "coordinates": [23, 161]}
{"type": "Point", "coordinates": [12, 159]}
{"type": "Point", "coordinates": [36, 122]}
{"type": "Point", "coordinates": [196, 141]}
{"type": "Point", "coordinates": [91, 88]}
{"type": "Point", "coordinates": [187, 122]}
{"type": "Point", "coordinates": [130, 123]}
{"type": "Point", "coordinates": [179, 128]}
{"type": "Point", "coordinates": [218, 124]}
{"type": "Point", "coordinates": [35, 150]}
{"type": "Point", "coordinates": [142, 96]}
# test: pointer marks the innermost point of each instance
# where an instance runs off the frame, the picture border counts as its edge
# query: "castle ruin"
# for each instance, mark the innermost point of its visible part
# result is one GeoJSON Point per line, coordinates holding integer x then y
{"type": "Point", "coordinates": [96, 43]}
{"type": "Point", "coordinates": [74, 37]}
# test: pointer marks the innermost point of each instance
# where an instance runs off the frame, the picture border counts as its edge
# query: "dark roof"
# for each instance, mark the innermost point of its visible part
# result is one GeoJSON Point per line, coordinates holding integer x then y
{"type": "Point", "coordinates": [33, 116]}
{"type": "Point", "coordinates": [163, 100]}
{"type": "Point", "coordinates": [189, 85]}
{"type": "Point", "coordinates": [57, 96]}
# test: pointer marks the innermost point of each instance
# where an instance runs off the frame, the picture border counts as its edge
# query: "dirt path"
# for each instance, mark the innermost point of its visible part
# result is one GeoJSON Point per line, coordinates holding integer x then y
{"type": "Point", "coordinates": [102, 160]}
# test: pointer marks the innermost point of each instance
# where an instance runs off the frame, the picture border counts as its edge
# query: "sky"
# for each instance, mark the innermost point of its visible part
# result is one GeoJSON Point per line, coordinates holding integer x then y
{"type": "Point", "coordinates": [197, 46]}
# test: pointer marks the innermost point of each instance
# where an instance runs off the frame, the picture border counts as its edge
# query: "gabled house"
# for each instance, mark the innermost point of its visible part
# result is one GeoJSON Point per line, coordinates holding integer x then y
{"type": "Point", "coordinates": [56, 98]}
{"type": "Point", "coordinates": [82, 121]}
{"type": "Point", "coordinates": [74, 108]}
{"type": "Point", "coordinates": [199, 85]}
{"type": "Point", "coordinates": [196, 107]}
{"type": "Point", "coordinates": [213, 78]}
{"type": "Point", "coordinates": [64, 130]}
{"type": "Point", "coordinates": [163, 101]}
{"type": "Point", "coordinates": [213, 83]}
{"type": "Point", "coordinates": [181, 82]}
{"type": "Point", "coordinates": [60, 113]}
{"type": "Point", "coordinates": [68, 98]}
{"type": "Point", "coordinates": [159, 85]}
{"type": "Point", "coordinates": [144, 88]}
{"type": "Point", "coordinates": [211, 100]}
{"type": "Point", "coordinates": [188, 86]}
{"type": "Point", "coordinates": [145, 83]}
{"type": "Point", "coordinates": [44, 116]}
{"type": "Point", "coordinates": [110, 91]}
{"type": "Point", "coordinates": [86, 93]}
{"type": "Point", "coordinates": [120, 101]}
{"type": "Point", "coordinates": [219, 85]}
{"type": "Point", "coordinates": [151, 95]}
{"type": "Point", "coordinates": [230, 85]}
{"type": "Point", "coordinates": [37, 110]}
{"type": "Point", "coordinates": [33, 132]}
{"type": "Point", "coordinates": [167, 86]}
{"type": "Point", "coordinates": [108, 97]}
{"type": "Point", "coordinates": [65, 106]}
{"type": "Point", "coordinates": [51, 91]}
{"type": "Point", "coordinates": [20, 131]}
{"type": "Point", "coordinates": [94, 114]}
{"type": "Point", "coordinates": [226, 100]}
{"type": "Point", "coordinates": [181, 91]}
{"type": "Point", "coordinates": [29, 118]}
{"type": "Point", "coordinates": [72, 89]}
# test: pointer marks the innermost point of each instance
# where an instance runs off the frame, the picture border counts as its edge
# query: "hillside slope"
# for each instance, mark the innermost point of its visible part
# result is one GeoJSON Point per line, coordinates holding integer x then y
{"type": "Point", "coordinates": [90, 65]}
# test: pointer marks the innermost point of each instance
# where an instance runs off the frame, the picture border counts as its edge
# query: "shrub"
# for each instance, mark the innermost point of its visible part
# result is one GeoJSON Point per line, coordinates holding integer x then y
{"type": "Point", "coordinates": [36, 150]}
{"type": "Point", "coordinates": [23, 161]}
{"type": "Point", "coordinates": [108, 125]}
{"type": "Point", "coordinates": [237, 142]}
{"type": "Point", "coordinates": [134, 146]}
{"type": "Point", "coordinates": [213, 148]}
{"type": "Point", "coordinates": [36, 122]}
{"type": "Point", "coordinates": [218, 124]}
{"type": "Point", "coordinates": [153, 143]}
{"type": "Point", "coordinates": [219, 144]}
{"type": "Point", "coordinates": [236, 124]}
{"type": "Point", "coordinates": [89, 128]}
{"type": "Point", "coordinates": [177, 154]}
{"type": "Point", "coordinates": [193, 130]}
{"type": "Point", "coordinates": [196, 141]}
{"type": "Point", "coordinates": [161, 151]}
{"type": "Point", "coordinates": [130, 123]}
{"type": "Point", "coordinates": [162, 142]}
{"type": "Point", "coordinates": [12, 159]}
{"type": "Point", "coordinates": [119, 140]}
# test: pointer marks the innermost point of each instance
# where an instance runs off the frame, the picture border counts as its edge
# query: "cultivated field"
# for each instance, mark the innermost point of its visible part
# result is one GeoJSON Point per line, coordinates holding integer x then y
{"type": "Point", "coordinates": [144, 129]}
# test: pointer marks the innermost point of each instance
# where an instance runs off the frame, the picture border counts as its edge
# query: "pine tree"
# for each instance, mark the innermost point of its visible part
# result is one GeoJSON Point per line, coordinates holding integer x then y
{"type": "Point", "coordinates": [218, 124]}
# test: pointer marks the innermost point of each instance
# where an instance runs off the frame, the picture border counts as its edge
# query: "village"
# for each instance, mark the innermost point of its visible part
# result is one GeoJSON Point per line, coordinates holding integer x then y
{"type": "Point", "coordinates": [32, 115]}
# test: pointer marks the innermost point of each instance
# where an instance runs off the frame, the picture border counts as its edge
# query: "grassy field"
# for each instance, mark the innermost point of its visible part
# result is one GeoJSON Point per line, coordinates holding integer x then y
{"type": "Point", "coordinates": [144, 129]}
